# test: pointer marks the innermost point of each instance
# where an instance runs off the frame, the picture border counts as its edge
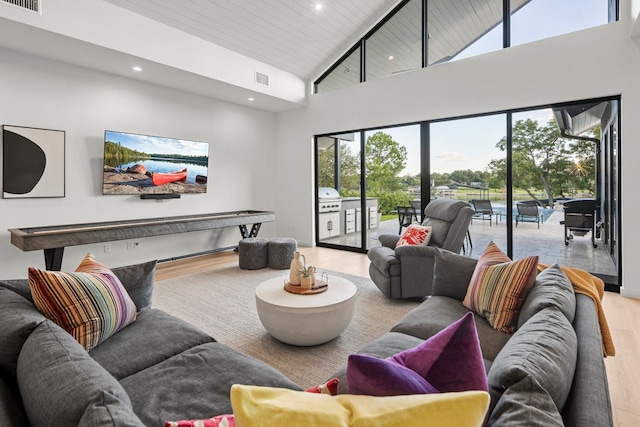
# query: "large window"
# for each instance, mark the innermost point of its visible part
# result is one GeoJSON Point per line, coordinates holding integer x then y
{"type": "Point", "coordinates": [396, 47]}
{"type": "Point", "coordinates": [456, 29]}
{"type": "Point", "coordinates": [392, 179]}
{"type": "Point", "coordinates": [518, 169]}
{"type": "Point", "coordinates": [345, 73]}
{"type": "Point", "coordinates": [540, 19]}
{"type": "Point", "coordinates": [467, 164]}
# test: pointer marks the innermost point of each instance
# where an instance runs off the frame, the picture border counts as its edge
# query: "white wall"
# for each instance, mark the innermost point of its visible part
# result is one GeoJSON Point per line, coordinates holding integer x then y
{"type": "Point", "coordinates": [40, 93]}
{"type": "Point", "coordinates": [597, 62]}
{"type": "Point", "coordinates": [115, 29]}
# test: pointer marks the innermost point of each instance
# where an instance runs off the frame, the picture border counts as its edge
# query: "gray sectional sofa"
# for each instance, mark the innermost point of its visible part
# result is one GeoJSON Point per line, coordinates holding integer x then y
{"type": "Point", "coordinates": [159, 368]}
{"type": "Point", "coordinates": [549, 372]}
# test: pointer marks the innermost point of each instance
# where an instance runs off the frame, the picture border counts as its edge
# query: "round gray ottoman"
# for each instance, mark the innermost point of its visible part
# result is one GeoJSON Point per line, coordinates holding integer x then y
{"type": "Point", "coordinates": [253, 253]}
{"type": "Point", "coordinates": [281, 252]}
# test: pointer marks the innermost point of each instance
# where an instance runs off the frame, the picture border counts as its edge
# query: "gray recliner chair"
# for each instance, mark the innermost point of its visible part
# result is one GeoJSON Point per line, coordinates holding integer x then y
{"type": "Point", "coordinates": [407, 271]}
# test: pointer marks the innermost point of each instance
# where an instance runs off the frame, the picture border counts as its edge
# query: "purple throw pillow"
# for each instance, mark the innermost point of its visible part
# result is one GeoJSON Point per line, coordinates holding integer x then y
{"type": "Point", "coordinates": [380, 377]}
{"type": "Point", "coordinates": [449, 361]}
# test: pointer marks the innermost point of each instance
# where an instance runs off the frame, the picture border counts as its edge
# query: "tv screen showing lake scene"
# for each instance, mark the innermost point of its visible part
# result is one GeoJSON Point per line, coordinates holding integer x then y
{"type": "Point", "coordinates": [145, 164]}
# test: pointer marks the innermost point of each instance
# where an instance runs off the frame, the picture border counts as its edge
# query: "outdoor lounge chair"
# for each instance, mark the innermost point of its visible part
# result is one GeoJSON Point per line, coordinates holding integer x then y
{"type": "Point", "coordinates": [483, 210]}
{"type": "Point", "coordinates": [528, 210]}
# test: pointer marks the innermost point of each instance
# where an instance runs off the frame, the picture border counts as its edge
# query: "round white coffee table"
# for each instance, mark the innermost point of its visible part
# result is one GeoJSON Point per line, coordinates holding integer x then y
{"type": "Point", "coordinates": [305, 320]}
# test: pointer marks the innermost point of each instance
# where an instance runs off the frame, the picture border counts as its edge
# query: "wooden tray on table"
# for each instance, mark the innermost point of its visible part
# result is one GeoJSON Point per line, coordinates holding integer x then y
{"type": "Point", "coordinates": [318, 288]}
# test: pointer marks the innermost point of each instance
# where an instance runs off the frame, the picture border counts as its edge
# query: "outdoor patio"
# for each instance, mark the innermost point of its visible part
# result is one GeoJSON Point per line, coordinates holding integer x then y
{"type": "Point", "coordinates": [546, 242]}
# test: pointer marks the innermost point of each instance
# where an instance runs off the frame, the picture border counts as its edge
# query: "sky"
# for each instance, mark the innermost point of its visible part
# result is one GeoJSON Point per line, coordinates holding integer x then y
{"type": "Point", "coordinates": [540, 19]}
{"type": "Point", "coordinates": [471, 143]}
{"type": "Point", "coordinates": [158, 145]}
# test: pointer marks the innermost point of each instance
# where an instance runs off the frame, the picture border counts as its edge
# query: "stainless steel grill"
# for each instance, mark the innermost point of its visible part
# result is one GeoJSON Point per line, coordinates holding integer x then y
{"type": "Point", "coordinates": [579, 219]}
{"type": "Point", "coordinates": [329, 200]}
{"type": "Point", "coordinates": [329, 209]}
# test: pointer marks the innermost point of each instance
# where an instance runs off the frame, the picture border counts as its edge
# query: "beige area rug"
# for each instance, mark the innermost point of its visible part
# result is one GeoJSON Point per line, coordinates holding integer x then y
{"type": "Point", "coordinates": [222, 303]}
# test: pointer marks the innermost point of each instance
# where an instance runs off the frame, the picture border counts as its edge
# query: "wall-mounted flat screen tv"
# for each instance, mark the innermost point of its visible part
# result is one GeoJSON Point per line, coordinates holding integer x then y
{"type": "Point", "coordinates": [145, 164]}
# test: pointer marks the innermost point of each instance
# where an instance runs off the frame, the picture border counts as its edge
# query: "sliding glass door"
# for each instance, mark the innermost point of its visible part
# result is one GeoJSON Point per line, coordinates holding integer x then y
{"type": "Point", "coordinates": [352, 209]}
{"type": "Point", "coordinates": [468, 164]}
{"type": "Point", "coordinates": [339, 207]}
{"type": "Point", "coordinates": [521, 171]}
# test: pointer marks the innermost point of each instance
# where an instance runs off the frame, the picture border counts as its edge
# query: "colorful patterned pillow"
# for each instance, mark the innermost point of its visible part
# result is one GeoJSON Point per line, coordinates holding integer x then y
{"type": "Point", "coordinates": [449, 361]}
{"type": "Point", "coordinates": [219, 421]}
{"type": "Point", "coordinates": [330, 387]}
{"type": "Point", "coordinates": [499, 286]}
{"type": "Point", "coordinates": [415, 234]}
{"type": "Point", "coordinates": [255, 406]}
{"type": "Point", "coordinates": [90, 303]}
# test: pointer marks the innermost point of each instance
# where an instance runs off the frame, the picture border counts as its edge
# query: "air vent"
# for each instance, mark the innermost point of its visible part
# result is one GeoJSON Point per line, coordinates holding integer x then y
{"type": "Point", "coordinates": [262, 79]}
{"type": "Point", "coordinates": [33, 5]}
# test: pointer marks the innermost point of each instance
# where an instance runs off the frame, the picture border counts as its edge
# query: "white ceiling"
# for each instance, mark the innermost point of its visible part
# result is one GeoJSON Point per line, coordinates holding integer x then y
{"type": "Point", "coordinates": [287, 34]}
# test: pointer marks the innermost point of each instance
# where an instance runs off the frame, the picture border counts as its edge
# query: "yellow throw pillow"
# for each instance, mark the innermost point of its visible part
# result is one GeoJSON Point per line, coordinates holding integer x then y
{"type": "Point", "coordinates": [255, 406]}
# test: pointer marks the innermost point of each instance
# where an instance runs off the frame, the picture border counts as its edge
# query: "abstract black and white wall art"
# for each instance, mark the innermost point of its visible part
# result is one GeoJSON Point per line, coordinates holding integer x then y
{"type": "Point", "coordinates": [32, 162]}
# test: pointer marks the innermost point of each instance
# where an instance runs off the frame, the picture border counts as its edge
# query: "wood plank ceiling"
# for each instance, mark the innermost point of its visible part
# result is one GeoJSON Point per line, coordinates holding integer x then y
{"type": "Point", "coordinates": [287, 34]}
{"type": "Point", "coordinates": [293, 36]}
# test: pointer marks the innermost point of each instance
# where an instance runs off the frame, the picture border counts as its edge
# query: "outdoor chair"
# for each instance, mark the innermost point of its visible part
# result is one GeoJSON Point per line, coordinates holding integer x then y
{"type": "Point", "coordinates": [483, 210]}
{"type": "Point", "coordinates": [407, 271]}
{"type": "Point", "coordinates": [418, 208]}
{"type": "Point", "coordinates": [407, 215]}
{"type": "Point", "coordinates": [528, 212]}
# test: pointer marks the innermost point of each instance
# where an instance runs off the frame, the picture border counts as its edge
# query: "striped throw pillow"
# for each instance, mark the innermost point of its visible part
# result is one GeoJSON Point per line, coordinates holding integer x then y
{"type": "Point", "coordinates": [90, 303]}
{"type": "Point", "coordinates": [499, 286]}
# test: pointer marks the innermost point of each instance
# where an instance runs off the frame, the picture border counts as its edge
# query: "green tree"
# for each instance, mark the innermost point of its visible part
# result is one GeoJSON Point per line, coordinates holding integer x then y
{"type": "Point", "coordinates": [467, 176]}
{"type": "Point", "coordinates": [384, 160]}
{"type": "Point", "coordinates": [540, 158]}
{"type": "Point", "coordinates": [438, 178]}
{"type": "Point", "coordinates": [497, 177]}
{"type": "Point", "coordinates": [326, 163]}
{"type": "Point", "coordinates": [349, 169]}
{"type": "Point", "coordinates": [411, 180]}
{"type": "Point", "coordinates": [582, 169]}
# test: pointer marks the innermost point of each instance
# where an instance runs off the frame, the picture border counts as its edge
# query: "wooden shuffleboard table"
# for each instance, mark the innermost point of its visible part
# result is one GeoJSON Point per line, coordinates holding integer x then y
{"type": "Point", "coordinates": [53, 239]}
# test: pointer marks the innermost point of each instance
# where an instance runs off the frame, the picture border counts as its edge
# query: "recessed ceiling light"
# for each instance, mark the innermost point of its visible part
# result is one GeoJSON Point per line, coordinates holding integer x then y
{"type": "Point", "coordinates": [136, 68]}
{"type": "Point", "coordinates": [390, 57]}
{"type": "Point", "coordinates": [318, 7]}
{"type": "Point", "coordinates": [252, 99]}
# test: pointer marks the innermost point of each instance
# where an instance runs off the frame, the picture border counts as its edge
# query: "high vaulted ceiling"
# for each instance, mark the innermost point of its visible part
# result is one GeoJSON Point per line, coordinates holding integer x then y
{"type": "Point", "coordinates": [288, 34]}
{"type": "Point", "coordinates": [220, 48]}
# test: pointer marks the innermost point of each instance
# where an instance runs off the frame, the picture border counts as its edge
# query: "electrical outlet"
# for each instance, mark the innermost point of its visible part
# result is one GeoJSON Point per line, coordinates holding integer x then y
{"type": "Point", "coordinates": [132, 245]}
{"type": "Point", "coordinates": [107, 248]}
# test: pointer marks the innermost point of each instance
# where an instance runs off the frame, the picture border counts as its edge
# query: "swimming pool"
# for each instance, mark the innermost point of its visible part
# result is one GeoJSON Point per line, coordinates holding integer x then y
{"type": "Point", "coordinates": [501, 207]}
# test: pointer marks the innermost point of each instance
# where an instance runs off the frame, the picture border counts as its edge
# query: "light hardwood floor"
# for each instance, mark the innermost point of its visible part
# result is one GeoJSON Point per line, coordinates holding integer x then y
{"type": "Point", "coordinates": [623, 315]}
